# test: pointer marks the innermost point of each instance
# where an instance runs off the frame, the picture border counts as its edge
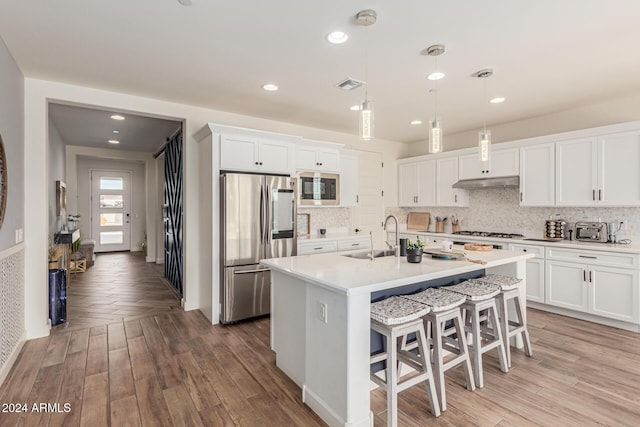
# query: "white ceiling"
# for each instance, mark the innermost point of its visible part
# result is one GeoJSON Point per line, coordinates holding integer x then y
{"type": "Point", "coordinates": [94, 128]}
{"type": "Point", "coordinates": [548, 55]}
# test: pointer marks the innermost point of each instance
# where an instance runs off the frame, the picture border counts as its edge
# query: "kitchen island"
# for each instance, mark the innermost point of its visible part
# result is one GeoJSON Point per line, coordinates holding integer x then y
{"type": "Point", "coordinates": [320, 327]}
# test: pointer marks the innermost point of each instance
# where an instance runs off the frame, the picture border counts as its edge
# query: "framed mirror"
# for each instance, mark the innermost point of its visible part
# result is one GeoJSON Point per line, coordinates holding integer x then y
{"type": "Point", "coordinates": [61, 199]}
{"type": "Point", "coordinates": [3, 181]}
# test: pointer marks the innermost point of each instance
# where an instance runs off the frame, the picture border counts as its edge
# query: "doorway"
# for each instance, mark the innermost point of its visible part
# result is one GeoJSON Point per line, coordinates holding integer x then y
{"type": "Point", "coordinates": [111, 210]}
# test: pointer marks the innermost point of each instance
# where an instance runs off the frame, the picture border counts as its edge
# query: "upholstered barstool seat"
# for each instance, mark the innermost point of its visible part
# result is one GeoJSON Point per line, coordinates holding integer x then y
{"type": "Point", "coordinates": [445, 308]}
{"type": "Point", "coordinates": [510, 291]}
{"type": "Point", "coordinates": [486, 334]}
{"type": "Point", "coordinates": [395, 318]}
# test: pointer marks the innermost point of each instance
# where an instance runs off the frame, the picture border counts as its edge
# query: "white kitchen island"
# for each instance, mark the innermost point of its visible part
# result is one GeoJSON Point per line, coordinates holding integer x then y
{"type": "Point", "coordinates": [320, 326]}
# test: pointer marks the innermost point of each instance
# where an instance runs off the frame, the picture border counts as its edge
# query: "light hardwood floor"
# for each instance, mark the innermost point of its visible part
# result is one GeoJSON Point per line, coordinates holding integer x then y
{"type": "Point", "coordinates": [174, 368]}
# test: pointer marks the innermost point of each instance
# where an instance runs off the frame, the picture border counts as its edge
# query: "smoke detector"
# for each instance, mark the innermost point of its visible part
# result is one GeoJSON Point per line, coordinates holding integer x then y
{"type": "Point", "coordinates": [483, 74]}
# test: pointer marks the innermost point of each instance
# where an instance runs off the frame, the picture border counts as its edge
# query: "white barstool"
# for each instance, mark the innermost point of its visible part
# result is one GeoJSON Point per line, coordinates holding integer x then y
{"type": "Point", "coordinates": [394, 318]}
{"type": "Point", "coordinates": [510, 328]}
{"type": "Point", "coordinates": [445, 307]}
{"type": "Point", "coordinates": [485, 335]}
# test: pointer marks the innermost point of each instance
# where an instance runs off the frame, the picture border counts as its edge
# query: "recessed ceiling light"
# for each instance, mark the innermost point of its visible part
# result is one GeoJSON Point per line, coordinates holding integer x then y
{"type": "Point", "coordinates": [497, 100]}
{"type": "Point", "coordinates": [416, 122]}
{"type": "Point", "coordinates": [355, 108]}
{"type": "Point", "coordinates": [435, 75]}
{"type": "Point", "coordinates": [117, 117]}
{"type": "Point", "coordinates": [270, 87]}
{"type": "Point", "coordinates": [185, 2]}
{"type": "Point", "coordinates": [337, 37]}
{"type": "Point", "coordinates": [114, 141]}
{"type": "Point", "coordinates": [116, 131]}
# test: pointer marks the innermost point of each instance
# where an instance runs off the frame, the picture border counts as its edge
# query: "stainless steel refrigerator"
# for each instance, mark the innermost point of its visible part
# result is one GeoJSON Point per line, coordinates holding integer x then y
{"type": "Point", "coordinates": [258, 220]}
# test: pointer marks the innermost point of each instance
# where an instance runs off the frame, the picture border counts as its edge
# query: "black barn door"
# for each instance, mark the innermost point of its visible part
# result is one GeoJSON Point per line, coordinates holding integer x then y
{"type": "Point", "coordinates": [173, 212]}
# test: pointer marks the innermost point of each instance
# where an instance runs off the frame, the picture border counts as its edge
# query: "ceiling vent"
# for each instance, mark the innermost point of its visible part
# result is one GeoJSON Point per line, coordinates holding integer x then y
{"type": "Point", "coordinates": [349, 84]}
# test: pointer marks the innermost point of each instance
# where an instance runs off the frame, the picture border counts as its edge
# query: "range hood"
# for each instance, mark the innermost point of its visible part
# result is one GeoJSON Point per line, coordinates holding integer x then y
{"type": "Point", "coordinates": [475, 184]}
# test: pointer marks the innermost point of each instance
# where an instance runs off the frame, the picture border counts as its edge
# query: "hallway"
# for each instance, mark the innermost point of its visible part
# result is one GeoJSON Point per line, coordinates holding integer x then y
{"type": "Point", "coordinates": [120, 286]}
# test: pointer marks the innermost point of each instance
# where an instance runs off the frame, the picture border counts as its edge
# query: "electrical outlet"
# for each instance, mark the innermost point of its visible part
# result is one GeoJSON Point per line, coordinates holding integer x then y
{"type": "Point", "coordinates": [322, 311]}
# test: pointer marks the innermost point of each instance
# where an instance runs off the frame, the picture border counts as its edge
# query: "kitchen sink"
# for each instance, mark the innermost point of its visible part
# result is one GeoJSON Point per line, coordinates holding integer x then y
{"type": "Point", "coordinates": [376, 254]}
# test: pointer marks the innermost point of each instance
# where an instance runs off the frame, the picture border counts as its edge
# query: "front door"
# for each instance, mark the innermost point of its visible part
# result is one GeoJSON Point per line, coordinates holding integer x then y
{"type": "Point", "coordinates": [111, 210]}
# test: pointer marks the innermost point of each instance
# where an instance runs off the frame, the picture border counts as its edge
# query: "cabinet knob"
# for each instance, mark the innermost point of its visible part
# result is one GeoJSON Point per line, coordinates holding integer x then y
{"type": "Point", "coordinates": [524, 250]}
{"type": "Point", "coordinates": [257, 163]}
{"type": "Point", "coordinates": [260, 163]}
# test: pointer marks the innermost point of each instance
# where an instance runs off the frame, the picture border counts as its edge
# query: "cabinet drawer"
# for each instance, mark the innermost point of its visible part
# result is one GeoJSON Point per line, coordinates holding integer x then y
{"type": "Point", "coordinates": [317, 247]}
{"type": "Point", "coordinates": [530, 249]}
{"type": "Point", "coordinates": [354, 244]}
{"type": "Point", "coordinates": [612, 259]}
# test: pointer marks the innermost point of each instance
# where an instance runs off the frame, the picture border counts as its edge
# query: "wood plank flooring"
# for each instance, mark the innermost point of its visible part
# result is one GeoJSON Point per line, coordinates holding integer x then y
{"type": "Point", "coordinates": [120, 285]}
{"type": "Point", "coordinates": [175, 369]}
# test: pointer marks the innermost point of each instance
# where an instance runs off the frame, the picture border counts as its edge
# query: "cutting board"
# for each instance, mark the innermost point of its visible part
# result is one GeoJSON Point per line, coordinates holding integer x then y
{"type": "Point", "coordinates": [418, 221]}
{"type": "Point", "coordinates": [478, 247]}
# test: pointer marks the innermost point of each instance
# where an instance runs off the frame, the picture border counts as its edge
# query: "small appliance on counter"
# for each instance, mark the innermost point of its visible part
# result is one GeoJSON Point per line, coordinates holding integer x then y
{"type": "Point", "coordinates": [592, 232]}
{"type": "Point", "coordinates": [555, 229]}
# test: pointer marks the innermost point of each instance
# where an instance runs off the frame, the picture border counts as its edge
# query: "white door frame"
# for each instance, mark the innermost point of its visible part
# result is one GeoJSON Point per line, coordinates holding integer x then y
{"type": "Point", "coordinates": [122, 226]}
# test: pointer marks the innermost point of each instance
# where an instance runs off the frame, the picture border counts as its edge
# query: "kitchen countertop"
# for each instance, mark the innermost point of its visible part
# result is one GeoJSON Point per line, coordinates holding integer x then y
{"type": "Point", "coordinates": [353, 276]}
{"type": "Point", "coordinates": [570, 244]}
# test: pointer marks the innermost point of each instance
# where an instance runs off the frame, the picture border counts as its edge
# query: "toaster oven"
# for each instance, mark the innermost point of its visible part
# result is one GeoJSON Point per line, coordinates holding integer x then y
{"type": "Point", "coordinates": [592, 231]}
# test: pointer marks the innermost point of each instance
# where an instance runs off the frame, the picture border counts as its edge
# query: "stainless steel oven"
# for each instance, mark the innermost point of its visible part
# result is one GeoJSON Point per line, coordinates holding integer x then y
{"type": "Point", "coordinates": [316, 188]}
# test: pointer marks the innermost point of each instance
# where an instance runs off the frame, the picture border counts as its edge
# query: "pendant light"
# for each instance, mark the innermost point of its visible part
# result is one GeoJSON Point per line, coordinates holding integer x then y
{"type": "Point", "coordinates": [366, 18]}
{"type": "Point", "coordinates": [435, 127]}
{"type": "Point", "coordinates": [484, 136]}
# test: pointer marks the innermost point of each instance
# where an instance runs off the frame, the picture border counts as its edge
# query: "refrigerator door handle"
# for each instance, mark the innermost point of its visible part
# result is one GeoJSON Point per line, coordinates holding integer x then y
{"type": "Point", "coordinates": [262, 219]}
{"type": "Point", "coordinates": [259, 270]}
{"type": "Point", "coordinates": [267, 237]}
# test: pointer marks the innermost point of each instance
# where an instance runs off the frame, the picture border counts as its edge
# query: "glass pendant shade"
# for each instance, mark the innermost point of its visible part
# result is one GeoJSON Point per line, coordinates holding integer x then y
{"type": "Point", "coordinates": [484, 145]}
{"type": "Point", "coordinates": [366, 120]}
{"type": "Point", "coordinates": [435, 136]}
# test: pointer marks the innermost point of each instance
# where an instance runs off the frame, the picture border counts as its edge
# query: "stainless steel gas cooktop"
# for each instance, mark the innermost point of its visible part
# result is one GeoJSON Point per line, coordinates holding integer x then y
{"type": "Point", "coordinates": [489, 234]}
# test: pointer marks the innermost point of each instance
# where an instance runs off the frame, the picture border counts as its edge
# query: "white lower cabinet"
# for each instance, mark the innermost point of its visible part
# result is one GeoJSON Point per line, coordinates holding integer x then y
{"type": "Point", "coordinates": [315, 247]}
{"type": "Point", "coordinates": [318, 246]}
{"type": "Point", "coordinates": [593, 283]}
{"type": "Point", "coordinates": [535, 271]}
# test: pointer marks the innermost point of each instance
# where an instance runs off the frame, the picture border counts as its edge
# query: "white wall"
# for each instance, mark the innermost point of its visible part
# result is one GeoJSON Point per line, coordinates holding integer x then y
{"type": "Point", "coordinates": [84, 166]}
{"type": "Point", "coordinates": [56, 173]}
{"type": "Point", "coordinates": [607, 112]}
{"type": "Point", "coordinates": [12, 255]}
{"type": "Point", "coordinates": [37, 94]}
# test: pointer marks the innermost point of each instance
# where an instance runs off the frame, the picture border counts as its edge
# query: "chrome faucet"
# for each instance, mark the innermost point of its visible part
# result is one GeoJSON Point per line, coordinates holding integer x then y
{"type": "Point", "coordinates": [371, 238]}
{"type": "Point", "coordinates": [396, 248]}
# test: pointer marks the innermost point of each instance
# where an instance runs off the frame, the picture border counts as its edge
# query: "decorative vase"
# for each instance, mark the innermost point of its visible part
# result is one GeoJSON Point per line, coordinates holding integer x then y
{"type": "Point", "coordinates": [414, 255]}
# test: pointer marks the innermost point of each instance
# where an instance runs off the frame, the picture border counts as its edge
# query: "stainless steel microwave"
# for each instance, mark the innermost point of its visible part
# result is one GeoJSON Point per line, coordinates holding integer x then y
{"type": "Point", "coordinates": [317, 189]}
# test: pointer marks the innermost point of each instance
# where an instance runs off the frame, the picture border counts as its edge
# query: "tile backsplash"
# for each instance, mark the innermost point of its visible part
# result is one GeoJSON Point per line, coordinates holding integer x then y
{"type": "Point", "coordinates": [497, 209]}
{"type": "Point", "coordinates": [327, 217]}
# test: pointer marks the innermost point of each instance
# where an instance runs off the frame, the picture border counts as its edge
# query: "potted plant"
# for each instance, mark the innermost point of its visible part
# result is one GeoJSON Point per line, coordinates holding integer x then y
{"type": "Point", "coordinates": [72, 221]}
{"type": "Point", "coordinates": [414, 250]}
{"type": "Point", "coordinates": [53, 261]}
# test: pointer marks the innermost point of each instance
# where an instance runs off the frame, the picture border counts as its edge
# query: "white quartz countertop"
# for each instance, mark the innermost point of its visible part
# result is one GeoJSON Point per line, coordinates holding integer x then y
{"type": "Point", "coordinates": [356, 276]}
{"type": "Point", "coordinates": [571, 244]}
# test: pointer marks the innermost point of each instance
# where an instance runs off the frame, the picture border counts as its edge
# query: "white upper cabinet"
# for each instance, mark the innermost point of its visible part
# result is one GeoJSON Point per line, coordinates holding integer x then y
{"type": "Point", "coordinates": [537, 175]}
{"type": "Point", "coordinates": [599, 171]}
{"type": "Point", "coordinates": [316, 156]}
{"type": "Point", "coordinates": [348, 180]}
{"type": "Point", "coordinates": [446, 176]}
{"type": "Point", "coordinates": [619, 172]}
{"type": "Point", "coordinates": [577, 172]}
{"type": "Point", "coordinates": [254, 154]}
{"type": "Point", "coordinates": [502, 163]}
{"type": "Point", "coordinates": [417, 183]}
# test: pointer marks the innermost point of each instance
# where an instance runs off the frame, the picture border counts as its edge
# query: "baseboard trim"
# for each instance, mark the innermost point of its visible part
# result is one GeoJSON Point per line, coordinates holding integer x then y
{"type": "Point", "coordinates": [585, 316]}
{"type": "Point", "coordinates": [327, 414]}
